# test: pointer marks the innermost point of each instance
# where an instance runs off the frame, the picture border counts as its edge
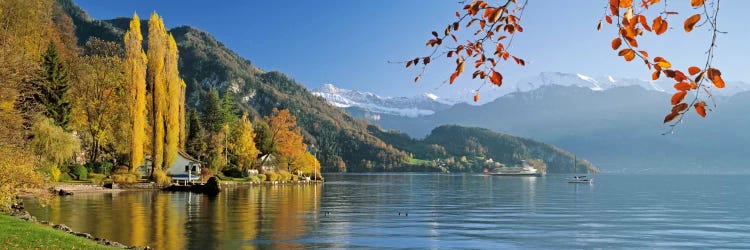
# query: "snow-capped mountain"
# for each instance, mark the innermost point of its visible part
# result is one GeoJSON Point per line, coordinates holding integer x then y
{"type": "Point", "coordinates": [608, 82]}
{"type": "Point", "coordinates": [373, 105]}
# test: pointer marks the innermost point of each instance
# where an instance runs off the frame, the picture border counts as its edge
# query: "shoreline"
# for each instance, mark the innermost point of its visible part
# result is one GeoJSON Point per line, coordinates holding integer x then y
{"type": "Point", "coordinates": [18, 212]}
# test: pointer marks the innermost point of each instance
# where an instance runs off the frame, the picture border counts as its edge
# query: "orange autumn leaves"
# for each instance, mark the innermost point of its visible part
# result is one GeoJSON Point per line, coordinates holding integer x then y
{"type": "Point", "coordinates": [628, 16]}
{"type": "Point", "coordinates": [491, 26]}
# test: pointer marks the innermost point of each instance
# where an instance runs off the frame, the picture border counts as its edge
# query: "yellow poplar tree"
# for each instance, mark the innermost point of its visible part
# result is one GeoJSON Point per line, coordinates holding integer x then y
{"type": "Point", "coordinates": [135, 71]}
{"type": "Point", "coordinates": [157, 47]}
{"type": "Point", "coordinates": [172, 115]}
{"type": "Point", "coordinates": [183, 128]}
{"type": "Point", "coordinates": [244, 143]}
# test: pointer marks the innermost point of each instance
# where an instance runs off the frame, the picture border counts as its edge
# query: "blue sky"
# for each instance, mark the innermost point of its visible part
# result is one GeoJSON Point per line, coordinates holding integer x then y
{"type": "Point", "coordinates": [349, 42]}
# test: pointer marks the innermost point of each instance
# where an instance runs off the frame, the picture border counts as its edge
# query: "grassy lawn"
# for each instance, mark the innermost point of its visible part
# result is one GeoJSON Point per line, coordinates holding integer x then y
{"type": "Point", "coordinates": [18, 234]}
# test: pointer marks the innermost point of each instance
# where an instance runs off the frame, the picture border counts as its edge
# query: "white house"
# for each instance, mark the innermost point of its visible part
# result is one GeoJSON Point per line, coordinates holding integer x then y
{"type": "Point", "coordinates": [183, 164]}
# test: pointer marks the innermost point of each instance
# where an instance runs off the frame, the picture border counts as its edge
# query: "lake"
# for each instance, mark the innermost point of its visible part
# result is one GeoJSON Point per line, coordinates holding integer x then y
{"type": "Point", "coordinates": [444, 211]}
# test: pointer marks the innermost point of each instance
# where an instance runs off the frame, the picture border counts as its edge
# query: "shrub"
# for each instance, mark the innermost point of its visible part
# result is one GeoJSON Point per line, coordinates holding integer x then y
{"type": "Point", "coordinates": [161, 177]}
{"type": "Point", "coordinates": [233, 172]}
{"type": "Point", "coordinates": [55, 173]}
{"type": "Point", "coordinates": [261, 177]}
{"type": "Point", "coordinates": [80, 172]}
{"type": "Point", "coordinates": [285, 175]}
{"type": "Point", "coordinates": [125, 178]}
{"type": "Point", "coordinates": [97, 178]}
{"type": "Point", "coordinates": [205, 174]}
{"type": "Point", "coordinates": [105, 167]}
{"type": "Point", "coordinates": [122, 169]}
{"type": "Point", "coordinates": [65, 177]}
{"type": "Point", "coordinates": [295, 177]}
{"type": "Point", "coordinates": [272, 176]}
{"type": "Point", "coordinates": [253, 178]}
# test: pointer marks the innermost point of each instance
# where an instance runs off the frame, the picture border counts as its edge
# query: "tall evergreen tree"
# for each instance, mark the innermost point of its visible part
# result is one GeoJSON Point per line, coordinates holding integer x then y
{"type": "Point", "coordinates": [213, 116]}
{"type": "Point", "coordinates": [196, 137]}
{"type": "Point", "coordinates": [51, 90]}
{"type": "Point", "coordinates": [135, 71]}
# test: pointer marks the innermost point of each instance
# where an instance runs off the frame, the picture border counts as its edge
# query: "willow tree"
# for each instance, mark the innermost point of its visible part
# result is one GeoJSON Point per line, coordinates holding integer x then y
{"type": "Point", "coordinates": [157, 50]}
{"type": "Point", "coordinates": [172, 115]}
{"type": "Point", "coordinates": [243, 143]}
{"type": "Point", "coordinates": [135, 73]}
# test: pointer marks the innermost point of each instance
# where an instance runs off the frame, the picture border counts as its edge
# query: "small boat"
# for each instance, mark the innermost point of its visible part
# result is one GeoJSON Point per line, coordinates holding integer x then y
{"type": "Point", "coordinates": [579, 178]}
{"type": "Point", "coordinates": [524, 170]}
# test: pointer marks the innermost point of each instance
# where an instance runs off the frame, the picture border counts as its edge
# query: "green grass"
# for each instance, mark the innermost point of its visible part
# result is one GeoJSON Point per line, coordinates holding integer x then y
{"type": "Point", "coordinates": [18, 234]}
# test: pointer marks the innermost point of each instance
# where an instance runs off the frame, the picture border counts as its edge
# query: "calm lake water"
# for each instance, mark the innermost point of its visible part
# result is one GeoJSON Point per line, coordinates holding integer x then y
{"type": "Point", "coordinates": [444, 211]}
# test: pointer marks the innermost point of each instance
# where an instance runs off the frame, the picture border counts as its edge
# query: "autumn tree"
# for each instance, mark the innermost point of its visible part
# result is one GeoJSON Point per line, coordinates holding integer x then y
{"type": "Point", "coordinates": [25, 33]}
{"type": "Point", "coordinates": [173, 126]}
{"type": "Point", "coordinates": [243, 144]}
{"type": "Point", "coordinates": [286, 138]}
{"type": "Point", "coordinates": [492, 26]}
{"type": "Point", "coordinates": [100, 90]}
{"type": "Point", "coordinates": [307, 165]}
{"type": "Point", "coordinates": [157, 52]}
{"type": "Point", "coordinates": [135, 73]}
{"type": "Point", "coordinates": [183, 124]}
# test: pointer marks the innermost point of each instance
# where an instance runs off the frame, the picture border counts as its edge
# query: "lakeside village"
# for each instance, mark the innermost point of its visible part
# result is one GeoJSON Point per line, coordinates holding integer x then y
{"type": "Point", "coordinates": [89, 114]}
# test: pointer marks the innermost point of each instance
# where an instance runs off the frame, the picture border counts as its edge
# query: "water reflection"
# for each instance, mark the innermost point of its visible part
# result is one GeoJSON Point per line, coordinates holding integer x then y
{"type": "Point", "coordinates": [235, 219]}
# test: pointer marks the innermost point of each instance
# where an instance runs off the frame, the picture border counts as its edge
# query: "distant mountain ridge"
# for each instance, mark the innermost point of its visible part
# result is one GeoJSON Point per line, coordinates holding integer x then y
{"type": "Point", "coordinates": [619, 130]}
{"type": "Point", "coordinates": [373, 104]}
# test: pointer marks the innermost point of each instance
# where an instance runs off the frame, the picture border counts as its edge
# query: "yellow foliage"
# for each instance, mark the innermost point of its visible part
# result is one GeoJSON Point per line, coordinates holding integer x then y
{"type": "Point", "coordinates": [172, 115]}
{"type": "Point", "coordinates": [161, 177]}
{"type": "Point", "coordinates": [243, 145]}
{"type": "Point", "coordinates": [157, 47]}
{"type": "Point", "coordinates": [125, 178]}
{"type": "Point", "coordinates": [55, 174]}
{"type": "Point", "coordinates": [16, 173]}
{"type": "Point", "coordinates": [135, 73]}
{"type": "Point", "coordinates": [183, 132]}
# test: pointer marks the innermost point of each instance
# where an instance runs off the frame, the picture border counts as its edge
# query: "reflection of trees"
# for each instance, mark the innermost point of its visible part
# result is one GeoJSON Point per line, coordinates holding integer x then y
{"type": "Point", "coordinates": [235, 219]}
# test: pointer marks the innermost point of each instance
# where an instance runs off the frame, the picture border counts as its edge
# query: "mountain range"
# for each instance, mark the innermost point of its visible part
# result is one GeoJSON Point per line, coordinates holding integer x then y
{"type": "Point", "coordinates": [343, 142]}
{"type": "Point", "coordinates": [618, 125]}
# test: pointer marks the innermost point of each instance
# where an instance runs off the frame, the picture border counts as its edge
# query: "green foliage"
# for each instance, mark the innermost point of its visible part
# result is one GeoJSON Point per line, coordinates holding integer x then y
{"type": "Point", "coordinates": [64, 177]}
{"type": "Point", "coordinates": [197, 142]}
{"type": "Point", "coordinates": [80, 172]}
{"type": "Point", "coordinates": [254, 179]}
{"type": "Point", "coordinates": [261, 177]}
{"type": "Point", "coordinates": [213, 117]}
{"type": "Point", "coordinates": [468, 149]}
{"type": "Point", "coordinates": [52, 143]}
{"type": "Point", "coordinates": [97, 178]}
{"type": "Point", "coordinates": [105, 167]}
{"type": "Point", "coordinates": [51, 90]}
